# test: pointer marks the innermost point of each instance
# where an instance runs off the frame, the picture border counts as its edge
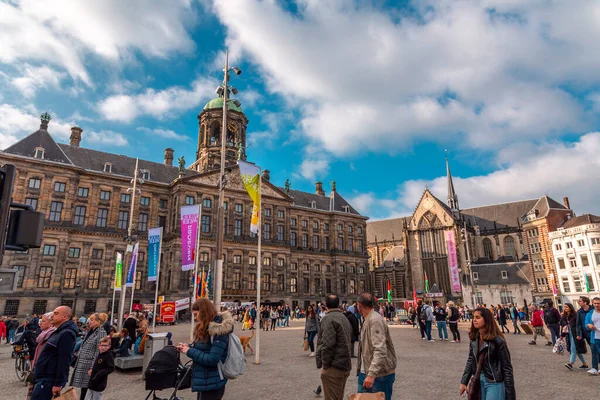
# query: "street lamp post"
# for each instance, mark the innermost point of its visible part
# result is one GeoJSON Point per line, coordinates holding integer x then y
{"type": "Point", "coordinates": [218, 277]}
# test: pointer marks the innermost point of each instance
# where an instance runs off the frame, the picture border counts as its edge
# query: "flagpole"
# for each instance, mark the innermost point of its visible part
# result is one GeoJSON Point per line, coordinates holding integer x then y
{"type": "Point", "coordinates": [157, 281]}
{"type": "Point", "coordinates": [259, 267]}
{"type": "Point", "coordinates": [112, 308]}
{"type": "Point", "coordinates": [196, 258]}
{"type": "Point", "coordinates": [133, 288]}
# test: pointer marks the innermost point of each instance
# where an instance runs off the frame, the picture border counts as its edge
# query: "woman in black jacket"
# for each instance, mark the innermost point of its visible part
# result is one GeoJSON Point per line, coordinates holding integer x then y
{"type": "Point", "coordinates": [576, 347]}
{"type": "Point", "coordinates": [488, 355]}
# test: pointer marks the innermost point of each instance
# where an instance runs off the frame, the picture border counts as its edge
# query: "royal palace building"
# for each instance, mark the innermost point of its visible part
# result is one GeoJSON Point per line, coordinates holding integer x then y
{"type": "Point", "coordinates": [313, 243]}
{"type": "Point", "coordinates": [502, 252]}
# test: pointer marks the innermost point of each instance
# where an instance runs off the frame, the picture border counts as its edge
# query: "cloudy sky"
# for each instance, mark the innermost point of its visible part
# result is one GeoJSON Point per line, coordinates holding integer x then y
{"type": "Point", "coordinates": [369, 93]}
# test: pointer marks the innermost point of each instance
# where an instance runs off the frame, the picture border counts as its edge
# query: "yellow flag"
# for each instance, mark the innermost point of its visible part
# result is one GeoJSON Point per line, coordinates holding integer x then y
{"type": "Point", "coordinates": [250, 177]}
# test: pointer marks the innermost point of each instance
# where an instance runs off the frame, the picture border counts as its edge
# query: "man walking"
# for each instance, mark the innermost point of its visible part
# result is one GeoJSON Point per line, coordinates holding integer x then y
{"type": "Point", "coordinates": [552, 320]}
{"type": "Point", "coordinates": [52, 364]}
{"type": "Point", "coordinates": [421, 320]}
{"type": "Point", "coordinates": [377, 357]}
{"type": "Point", "coordinates": [580, 330]}
{"type": "Point", "coordinates": [333, 350]}
{"type": "Point", "coordinates": [514, 316]}
{"type": "Point", "coordinates": [428, 317]}
{"type": "Point", "coordinates": [592, 324]}
{"type": "Point", "coordinates": [537, 323]}
{"type": "Point", "coordinates": [355, 328]}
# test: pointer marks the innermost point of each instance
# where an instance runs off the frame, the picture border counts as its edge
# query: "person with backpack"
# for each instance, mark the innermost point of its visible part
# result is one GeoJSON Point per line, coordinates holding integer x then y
{"type": "Point", "coordinates": [421, 320]}
{"type": "Point", "coordinates": [537, 323]}
{"type": "Point", "coordinates": [428, 317]}
{"type": "Point", "coordinates": [454, 316]}
{"type": "Point", "coordinates": [209, 350]}
{"type": "Point", "coordinates": [552, 320]}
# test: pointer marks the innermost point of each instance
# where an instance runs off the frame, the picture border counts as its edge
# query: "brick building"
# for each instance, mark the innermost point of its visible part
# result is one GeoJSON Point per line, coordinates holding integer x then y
{"type": "Point", "coordinates": [312, 243]}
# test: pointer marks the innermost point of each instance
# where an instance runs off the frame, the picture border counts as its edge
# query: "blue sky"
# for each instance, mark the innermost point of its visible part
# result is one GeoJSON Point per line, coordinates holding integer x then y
{"type": "Point", "coordinates": [369, 93]}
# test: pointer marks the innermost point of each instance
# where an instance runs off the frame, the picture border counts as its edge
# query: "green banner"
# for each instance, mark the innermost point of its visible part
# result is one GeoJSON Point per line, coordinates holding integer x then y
{"type": "Point", "coordinates": [119, 272]}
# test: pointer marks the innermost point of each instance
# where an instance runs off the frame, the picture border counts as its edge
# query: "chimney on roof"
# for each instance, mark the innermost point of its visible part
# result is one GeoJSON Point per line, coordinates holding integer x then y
{"type": "Point", "coordinates": [169, 156]}
{"type": "Point", "coordinates": [266, 175]}
{"type": "Point", "coordinates": [75, 136]}
{"type": "Point", "coordinates": [566, 203]}
{"type": "Point", "coordinates": [319, 189]}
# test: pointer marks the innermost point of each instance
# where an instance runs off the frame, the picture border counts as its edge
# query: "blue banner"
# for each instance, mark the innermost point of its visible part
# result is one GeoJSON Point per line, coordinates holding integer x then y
{"type": "Point", "coordinates": [154, 243]}
{"type": "Point", "coordinates": [132, 266]}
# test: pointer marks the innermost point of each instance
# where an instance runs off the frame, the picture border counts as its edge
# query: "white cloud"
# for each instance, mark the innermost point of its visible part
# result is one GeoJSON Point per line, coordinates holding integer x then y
{"type": "Point", "coordinates": [558, 170]}
{"type": "Point", "coordinates": [36, 78]}
{"type": "Point", "coordinates": [157, 103]}
{"type": "Point", "coordinates": [482, 74]}
{"type": "Point", "coordinates": [106, 137]}
{"type": "Point", "coordinates": [363, 202]}
{"type": "Point", "coordinates": [164, 133]}
{"type": "Point", "coordinates": [63, 33]}
{"type": "Point", "coordinates": [313, 168]}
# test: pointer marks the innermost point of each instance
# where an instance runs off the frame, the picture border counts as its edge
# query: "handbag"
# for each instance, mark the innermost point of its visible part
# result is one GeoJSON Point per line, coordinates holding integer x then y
{"type": "Point", "coordinates": [74, 360]}
{"type": "Point", "coordinates": [68, 394]}
{"type": "Point", "coordinates": [474, 385]}
{"type": "Point", "coordinates": [560, 346]}
{"type": "Point", "coordinates": [306, 345]}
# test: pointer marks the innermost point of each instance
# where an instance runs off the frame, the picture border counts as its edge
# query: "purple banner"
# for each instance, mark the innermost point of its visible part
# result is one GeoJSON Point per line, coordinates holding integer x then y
{"type": "Point", "coordinates": [132, 266]}
{"type": "Point", "coordinates": [453, 261]}
{"type": "Point", "coordinates": [189, 232]}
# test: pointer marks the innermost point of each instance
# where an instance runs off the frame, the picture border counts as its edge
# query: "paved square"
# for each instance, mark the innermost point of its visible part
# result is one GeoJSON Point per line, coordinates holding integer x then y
{"type": "Point", "coordinates": [425, 370]}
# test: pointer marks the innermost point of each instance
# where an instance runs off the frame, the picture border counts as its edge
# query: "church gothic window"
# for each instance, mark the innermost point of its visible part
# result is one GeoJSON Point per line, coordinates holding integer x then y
{"type": "Point", "coordinates": [487, 249]}
{"type": "Point", "coordinates": [509, 247]}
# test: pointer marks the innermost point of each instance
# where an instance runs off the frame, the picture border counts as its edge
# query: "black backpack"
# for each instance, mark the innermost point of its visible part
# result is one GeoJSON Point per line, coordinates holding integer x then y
{"type": "Point", "coordinates": [424, 313]}
{"type": "Point", "coordinates": [550, 317]}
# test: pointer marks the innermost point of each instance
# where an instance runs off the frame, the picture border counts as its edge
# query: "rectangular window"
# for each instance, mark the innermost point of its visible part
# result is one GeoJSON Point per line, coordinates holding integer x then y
{"type": "Point", "coordinates": [70, 278]}
{"type": "Point", "coordinates": [252, 260]}
{"type": "Point", "coordinates": [267, 231]}
{"type": "Point", "coordinates": [79, 218]}
{"type": "Point", "coordinates": [44, 278]}
{"type": "Point", "coordinates": [267, 261]}
{"type": "Point", "coordinates": [293, 221]}
{"type": "Point", "coordinates": [305, 240]}
{"type": "Point", "coordinates": [280, 214]}
{"type": "Point", "coordinates": [83, 192]}
{"type": "Point", "coordinates": [479, 297]}
{"type": "Point", "coordinates": [561, 263]}
{"type": "Point", "coordinates": [361, 270]}
{"type": "Point", "coordinates": [595, 241]}
{"type": "Point", "coordinates": [237, 279]}
{"type": "Point", "coordinates": [326, 227]}
{"type": "Point", "coordinates": [104, 195]}
{"type": "Point", "coordinates": [97, 254]}
{"type": "Point", "coordinates": [94, 279]}
{"type": "Point", "coordinates": [74, 252]}
{"type": "Point", "coordinates": [162, 203]}
{"type": "Point", "coordinates": [280, 232]}
{"type": "Point", "coordinates": [162, 221]}
{"type": "Point", "coordinates": [252, 281]}
{"type": "Point", "coordinates": [506, 297]}
{"type": "Point", "coordinates": [342, 286]}
{"type": "Point", "coordinates": [359, 230]}
{"type": "Point", "coordinates": [341, 268]}
{"type": "Point", "coordinates": [49, 249]}
{"type": "Point", "coordinates": [145, 201]}
{"type": "Point", "coordinates": [204, 257]}
{"type": "Point", "coordinates": [143, 222]}
{"type": "Point", "coordinates": [597, 257]}
{"type": "Point", "coordinates": [359, 245]}
{"type": "Point", "coordinates": [125, 197]}
{"type": "Point", "coordinates": [569, 245]}
{"type": "Point", "coordinates": [350, 229]}
{"type": "Point", "coordinates": [352, 286]}
{"type": "Point", "coordinates": [293, 285]}
{"type": "Point", "coordinates": [328, 285]}
{"type": "Point", "coordinates": [326, 242]}
{"type": "Point", "coordinates": [34, 183]}
{"type": "Point", "coordinates": [30, 201]}
{"type": "Point", "coordinates": [585, 262]}
{"type": "Point", "coordinates": [577, 283]}
{"type": "Point", "coordinates": [573, 263]}
{"type": "Point", "coordinates": [305, 223]}
{"type": "Point", "coordinates": [306, 285]}
{"type": "Point", "coordinates": [206, 224]}
{"type": "Point", "coordinates": [327, 268]}
{"type": "Point", "coordinates": [138, 280]}
{"type": "Point", "coordinates": [102, 217]}
{"type": "Point", "coordinates": [11, 307]}
{"type": "Point", "coordinates": [315, 224]}
{"type": "Point", "coordinates": [239, 208]}
{"type": "Point", "coordinates": [294, 266]}
{"type": "Point", "coordinates": [89, 307]}
{"type": "Point", "coordinates": [280, 262]}
{"type": "Point", "coordinates": [580, 243]}
{"type": "Point", "coordinates": [237, 259]}
{"type": "Point", "coordinates": [350, 244]}
{"type": "Point", "coordinates": [237, 227]}
{"type": "Point", "coordinates": [123, 221]}
{"type": "Point", "coordinates": [566, 285]}
{"type": "Point", "coordinates": [59, 187]}
{"type": "Point", "coordinates": [317, 267]}
{"type": "Point", "coordinates": [340, 244]}
{"type": "Point", "coordinates": [267, 282]}
{"type": "Point", "coordinates": [55, 211]}
{"type": "Point", "coordinates": [207, 203]}
{"type": "Point", "coordinates": [267, 212]}
{"type": "Point", "coordinates": [340, 227]}
{"type": "Point", "coordinates": [293, 240]}
{"type": "Point", "coordinates": [316, 242]}
{"type": "Point", "coordinates": [590, 282]}
{"type": "Point", "coordinates": [40, 306]}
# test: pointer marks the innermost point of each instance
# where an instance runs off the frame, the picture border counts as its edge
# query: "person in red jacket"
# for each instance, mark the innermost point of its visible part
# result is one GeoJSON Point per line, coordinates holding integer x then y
{"type": "Point", "coordinates": [2, 329]}
{"type": "Point", "coordinates": [537, 321]}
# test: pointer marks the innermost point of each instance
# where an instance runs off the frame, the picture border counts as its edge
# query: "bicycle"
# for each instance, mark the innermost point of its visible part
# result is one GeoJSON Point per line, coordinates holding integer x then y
{"type": "Point", "coordinates": [22, 363]}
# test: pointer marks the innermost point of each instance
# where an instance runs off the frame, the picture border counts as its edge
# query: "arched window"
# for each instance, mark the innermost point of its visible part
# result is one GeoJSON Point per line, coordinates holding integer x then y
{"type": "Point", "coordinates": [384, 254]}
{"type": "Point", "coordinates": [215, 133]}
{"type": "Point", "coordinates": [487, 249]}
{"type": "Point", "coordinates": [509, 247]}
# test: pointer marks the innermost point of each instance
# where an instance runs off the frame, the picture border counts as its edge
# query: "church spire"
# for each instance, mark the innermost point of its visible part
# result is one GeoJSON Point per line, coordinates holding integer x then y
{"type": "Point", "coordinates": [452, 197]}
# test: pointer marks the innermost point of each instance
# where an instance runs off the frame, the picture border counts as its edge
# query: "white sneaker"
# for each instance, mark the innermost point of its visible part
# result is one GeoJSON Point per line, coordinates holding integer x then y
{"type": "Point", "coordinates": [452, 341]}
{"type": "Point", "coordinates": [432, 340]}
{"type": "Point", "coordinates": [593, 371]}
{"type": "Point", "coordinates": [424, 338]}
{"type": "Point", "coordinates": [311, 355]}
{"type": "Point", "coordinates": [446, 339]}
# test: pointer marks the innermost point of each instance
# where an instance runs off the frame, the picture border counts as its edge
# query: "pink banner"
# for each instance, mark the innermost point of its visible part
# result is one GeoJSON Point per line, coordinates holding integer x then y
{"type": "Point", "coordinates": [189, 233]}
{"type": "Point", "coordinates": [453, 261]}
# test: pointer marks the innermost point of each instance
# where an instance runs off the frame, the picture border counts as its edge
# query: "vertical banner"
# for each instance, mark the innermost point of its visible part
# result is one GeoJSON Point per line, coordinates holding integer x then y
{"type": "Point", "coordinates": [251, 178]}
{"type": "Point", "coordinates": [119, 272]}
{"type": "Point", "coordinates": [189, 233]}
{"type": "Point", "coordinates": [132, 266]}
{"type": "Point", "coordinates": [453, 261]}
{"type": "Point", "coordinates": [154, 245]}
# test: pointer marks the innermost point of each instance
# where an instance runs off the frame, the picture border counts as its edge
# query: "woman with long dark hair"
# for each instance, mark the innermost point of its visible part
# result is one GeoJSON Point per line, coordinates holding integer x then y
{"type": "Point", "coordinates": [311, 328]}
{"type": "Point", "coordinates": [577, 348]}
{"type": "Point", "coordinates": [210, 346]}
{"type": "Point", "coordinates": [489, 372]}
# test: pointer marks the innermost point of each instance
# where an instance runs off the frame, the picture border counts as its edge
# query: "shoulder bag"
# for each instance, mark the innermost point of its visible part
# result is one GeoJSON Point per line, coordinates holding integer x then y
{"type": "Point", "coordinates": [474, 385]}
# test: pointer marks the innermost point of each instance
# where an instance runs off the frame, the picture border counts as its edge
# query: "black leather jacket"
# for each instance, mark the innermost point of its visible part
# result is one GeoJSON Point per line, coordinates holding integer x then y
{"type": "Point", "coordinates": [497, 366]}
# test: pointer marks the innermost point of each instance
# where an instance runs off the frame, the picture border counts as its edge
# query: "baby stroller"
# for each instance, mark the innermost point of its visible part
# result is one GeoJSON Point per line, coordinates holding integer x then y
{"type": "Point", "coordinates": [165, 371]}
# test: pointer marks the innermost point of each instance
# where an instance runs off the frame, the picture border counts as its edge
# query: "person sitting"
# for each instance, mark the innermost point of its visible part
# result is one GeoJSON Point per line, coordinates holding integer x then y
{"type": "Point", "coordinates": [123, 350]}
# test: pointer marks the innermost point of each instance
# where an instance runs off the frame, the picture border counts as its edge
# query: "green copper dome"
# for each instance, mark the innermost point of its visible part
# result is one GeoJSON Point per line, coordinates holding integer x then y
{"type": "Point", "coordinates": [218, 103]}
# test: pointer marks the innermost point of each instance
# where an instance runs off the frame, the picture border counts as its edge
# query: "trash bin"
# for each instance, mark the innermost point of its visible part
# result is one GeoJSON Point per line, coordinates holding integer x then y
{"type": "Point", "coordinates": [154, 343]}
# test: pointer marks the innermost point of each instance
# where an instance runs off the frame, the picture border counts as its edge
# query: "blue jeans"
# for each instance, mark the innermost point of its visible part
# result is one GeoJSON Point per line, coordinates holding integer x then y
{"type": "Point", "coordinates": [491, 391]}
{"type": "Point", "coordinates": [11, 335]}
{"type": "Point", "coordinates": [287, 320]}
{"type": "Point", "coordinates": [428, 329]}
{"type": "Point", "coordinates": [384, 384]}
{"type": "Point", "coordinates": [574, 352]}
{"type": "Point", "coordinates": [441, 326]}
{"type": "Point", "coordinates": [42, 390]}
{"type": "Point", "coordinates": [554, 331]}
{"type": "Point", "coordinates": [311, 340]}
{"type": "Point", "coordinates": [595, 352]}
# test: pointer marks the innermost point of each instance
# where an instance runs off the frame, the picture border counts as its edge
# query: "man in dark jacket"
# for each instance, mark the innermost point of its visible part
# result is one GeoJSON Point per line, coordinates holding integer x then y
{"type": "Point", "coordinates": [131, 326]}
{"type": "Point", "coordinates": [355, 328]}
{"type": "Point", "coordinates": [552, 320]}
{"type": "Point", "coordinates": [333, 350]}
{"type": "Point", "coordinates": [52, 365]}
